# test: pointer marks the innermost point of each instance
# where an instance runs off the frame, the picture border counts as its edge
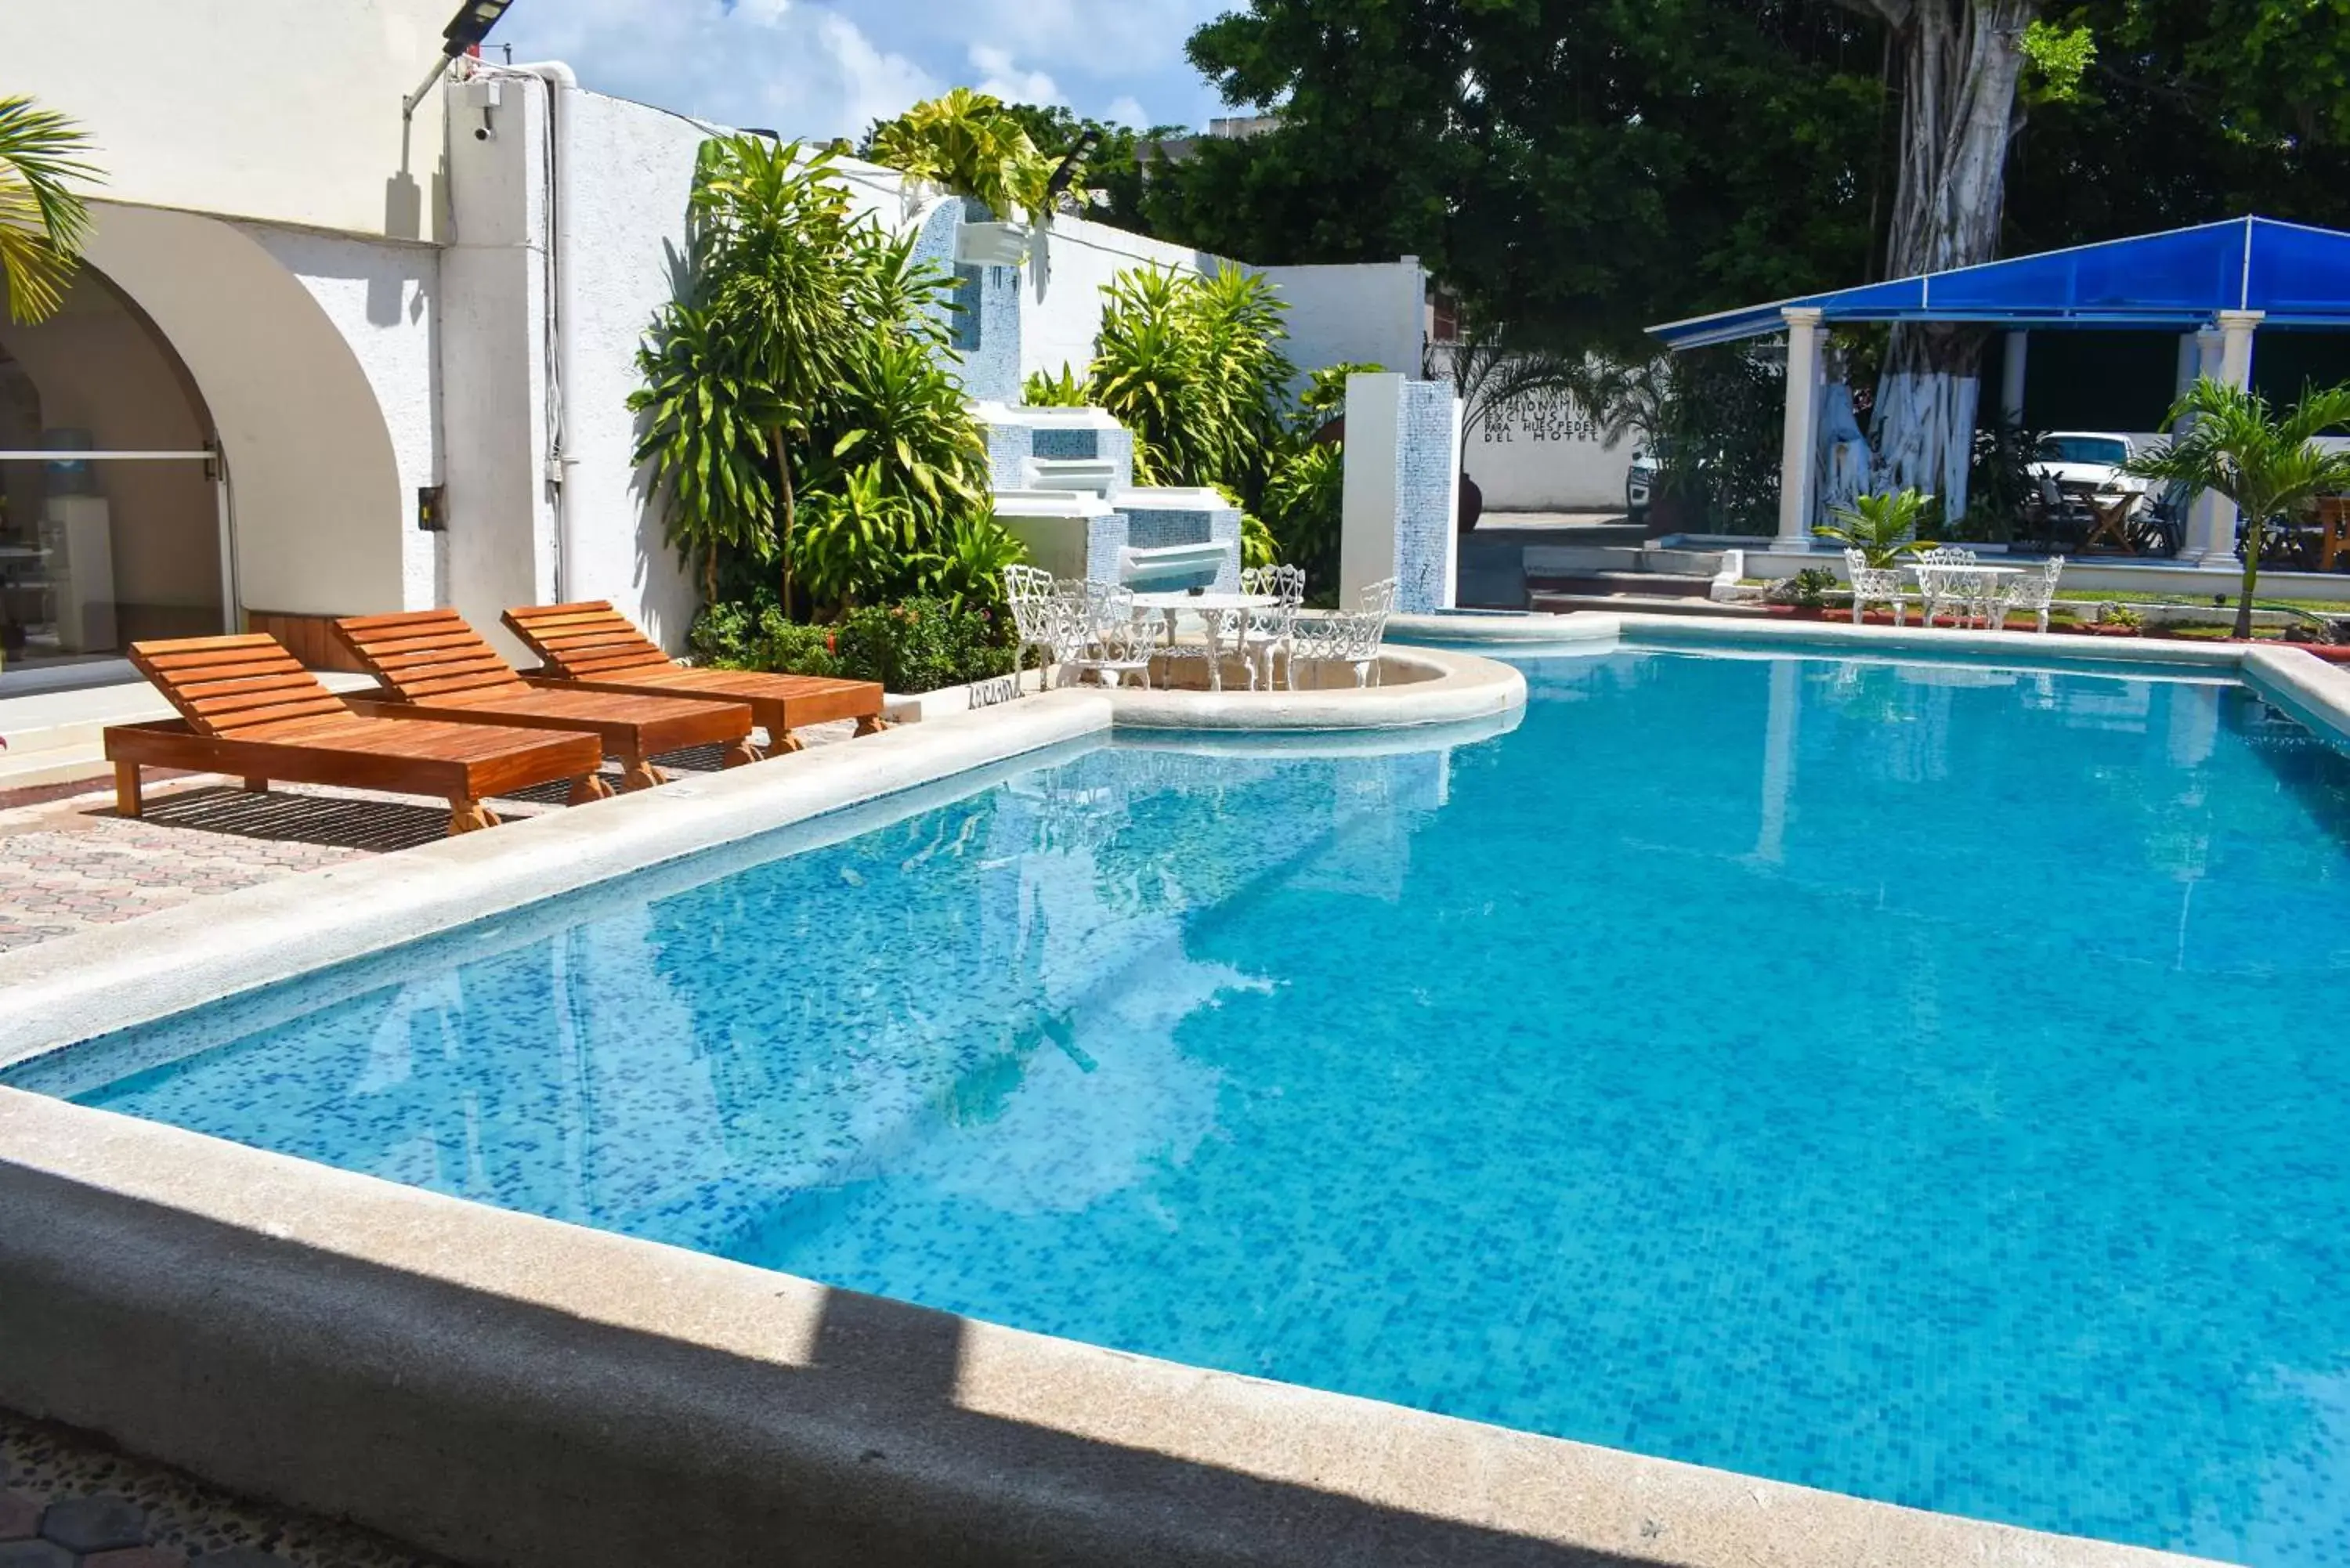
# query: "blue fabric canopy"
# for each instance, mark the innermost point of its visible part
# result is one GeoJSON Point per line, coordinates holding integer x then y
{"type": "Point", "coordinates": [2300, 277]}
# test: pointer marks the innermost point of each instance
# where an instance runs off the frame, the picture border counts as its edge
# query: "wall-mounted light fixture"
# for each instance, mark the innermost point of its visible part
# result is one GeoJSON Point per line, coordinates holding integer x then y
{"type": "Point", "coordinates": [1067, 171]}
{"type": "Point", "coordinates": [465, 30]}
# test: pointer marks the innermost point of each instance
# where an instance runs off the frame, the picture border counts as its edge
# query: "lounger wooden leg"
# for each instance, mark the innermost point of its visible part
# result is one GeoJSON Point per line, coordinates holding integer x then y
{"type": "Point", "coordinates": [873, 725]}
{"type": "Point", "coordinates": [783, 742]}
{"type": "Point", "coordinates": [258, 787]}
{"type": "Point", "coordinates": [588, 787]}
{"type": "Point", "coordinates": [739, 753]}
{"type": "Point", "coordinates": [469, 816]}
{"type": "Point", "coordinates": [641, 775]}
{"type": "Point", "coordinates": [127, 800]}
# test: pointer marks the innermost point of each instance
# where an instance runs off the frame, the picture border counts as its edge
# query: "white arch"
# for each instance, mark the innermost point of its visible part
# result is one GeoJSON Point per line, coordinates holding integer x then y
{"type": "Point", "coordinates": [311, 467]}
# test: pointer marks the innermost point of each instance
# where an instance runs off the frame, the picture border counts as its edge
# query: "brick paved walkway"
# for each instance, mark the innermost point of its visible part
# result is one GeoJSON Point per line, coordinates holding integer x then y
{"type": "Point", "coordinates": [69, 1499]}
{"type": "Point", "coordinates": [68, 863]}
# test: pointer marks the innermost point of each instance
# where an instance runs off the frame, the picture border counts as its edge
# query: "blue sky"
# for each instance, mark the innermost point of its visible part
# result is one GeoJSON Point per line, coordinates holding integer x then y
{"type": "Point", "coordinates": [825, 68]}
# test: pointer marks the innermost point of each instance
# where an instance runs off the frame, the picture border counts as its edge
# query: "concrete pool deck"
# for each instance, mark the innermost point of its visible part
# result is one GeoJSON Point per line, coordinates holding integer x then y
{"type": "Point", "coordinates": [505, 1388]}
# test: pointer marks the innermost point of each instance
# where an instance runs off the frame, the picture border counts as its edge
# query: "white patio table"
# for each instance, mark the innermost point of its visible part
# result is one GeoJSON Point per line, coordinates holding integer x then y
{"type": "Point", "coordinates": [1981, 593]}
{"type": "Point", "coordinates": [1212, 609]}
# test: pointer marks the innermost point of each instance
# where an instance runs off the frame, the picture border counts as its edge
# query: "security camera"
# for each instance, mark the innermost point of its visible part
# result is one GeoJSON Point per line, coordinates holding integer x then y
{"type": "Point", "coordinates": [481, 132]}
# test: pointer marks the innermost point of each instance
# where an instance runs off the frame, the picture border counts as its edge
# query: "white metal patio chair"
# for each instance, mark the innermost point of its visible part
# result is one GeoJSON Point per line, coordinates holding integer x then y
{"type": "Point", "coordinates": [2032, 592]}
{"type": "Point", "coordinates": [1346, 637]}
{"type": "Point", "coordinates": [1038, 618]}
{"type": "Point", "coordinates": [1265, 634]}
{"type": "Point", "coordinates": [1113, 641]}
{"type": "Point", "coordinates": [1874, 586]}
{"type": "Point", "coordinates": [1950, 579]}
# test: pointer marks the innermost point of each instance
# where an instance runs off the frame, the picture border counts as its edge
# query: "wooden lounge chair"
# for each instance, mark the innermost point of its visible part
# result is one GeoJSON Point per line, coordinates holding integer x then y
{"type": "Point", "coordinates": [594, 646]}
{"type": "Point", "coordinates": [437, 667]}
{"type": "Point", "coordinates": [251, 712]}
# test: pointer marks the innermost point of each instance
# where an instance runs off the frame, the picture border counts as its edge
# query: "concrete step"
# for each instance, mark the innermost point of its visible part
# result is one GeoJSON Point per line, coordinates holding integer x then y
{"type": "Point", "coordinates": [1653, 584]}
{"type": "Point", "coordinates": [1547, 603]}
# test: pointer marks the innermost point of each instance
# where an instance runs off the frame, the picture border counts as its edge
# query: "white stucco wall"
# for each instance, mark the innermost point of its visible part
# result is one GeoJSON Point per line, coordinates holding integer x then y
{"type": "Point", "coordinates": [312, 467]}
{"type": "Point", "coordinates": [381, 295]}
{"type": "Point", "coordinates": [1542, 455]}
{"type": "Point", "coordinates": [1372, 313]}
{"type": "Point", "coordinates": [1060, 299]}
{"type": "Point", "coordinates": [284, 110]}
{"type": "Point", "coordinates": [634, 207]}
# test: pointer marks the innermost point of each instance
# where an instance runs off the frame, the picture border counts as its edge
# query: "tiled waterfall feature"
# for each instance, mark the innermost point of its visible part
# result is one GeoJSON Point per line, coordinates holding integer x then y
{"type": "Point", "coordinates": [1402, 490]}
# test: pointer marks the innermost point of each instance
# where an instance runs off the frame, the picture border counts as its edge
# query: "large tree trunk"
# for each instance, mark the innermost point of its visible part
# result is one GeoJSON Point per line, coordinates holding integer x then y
{"type": "Point", "coordinates": [1960, 63]}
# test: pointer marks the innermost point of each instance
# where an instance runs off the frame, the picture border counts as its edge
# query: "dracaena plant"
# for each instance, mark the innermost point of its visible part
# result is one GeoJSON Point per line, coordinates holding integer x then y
{"type": "Point", "coordinates": [2272, 468]}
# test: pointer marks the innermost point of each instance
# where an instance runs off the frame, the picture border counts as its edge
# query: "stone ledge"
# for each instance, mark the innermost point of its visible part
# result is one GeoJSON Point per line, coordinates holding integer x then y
{"type": "Point", "coordinates": [1418, 686]}
{"type": "Point", "coordinates": [507, 1388]}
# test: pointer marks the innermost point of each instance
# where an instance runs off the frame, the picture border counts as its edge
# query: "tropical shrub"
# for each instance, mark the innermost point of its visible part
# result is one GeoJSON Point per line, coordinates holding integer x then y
{"type": "Point", "coordinates": [1191, 364]}
{"type": "Point", "coordinates": [968, 143]}
{"type": "Point", "coordinates": [922, 645]}
{"type": "Point", "coordinates": [1061, 391]}
{"type": "Point", "coordinates": [1883, 525]}
{"type": "Point", "coordinates": [754, 634]}
{"type": "Point", "coordinates": [1302, 508]}
{"type": "Point", "coordinates": [2272, 468]}
{"type": "Point", "coordinates": [799, 411]}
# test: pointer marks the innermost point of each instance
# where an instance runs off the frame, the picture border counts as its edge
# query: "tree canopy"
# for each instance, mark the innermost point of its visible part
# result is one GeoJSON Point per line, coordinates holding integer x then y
{"type": "Point", "coordinates": [1581, 170]}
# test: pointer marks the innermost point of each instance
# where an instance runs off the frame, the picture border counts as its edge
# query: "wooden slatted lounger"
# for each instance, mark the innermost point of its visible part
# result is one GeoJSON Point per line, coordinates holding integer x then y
{"type": "Point", "coordinates": [595, 646]}
{"type": "Point", "coordinates": [251, 712]}
{"type": "Point", "coordinates": [437, 667]}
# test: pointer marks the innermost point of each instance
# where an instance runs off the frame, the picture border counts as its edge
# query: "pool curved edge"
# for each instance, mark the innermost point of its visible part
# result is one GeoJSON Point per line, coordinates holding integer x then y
{"type": "Point", "coordinates": [505, 1387]}
{"type": "Point", "coordinates": [112, 977]}
{"type": "Point", "coordinates": [1420, 686]}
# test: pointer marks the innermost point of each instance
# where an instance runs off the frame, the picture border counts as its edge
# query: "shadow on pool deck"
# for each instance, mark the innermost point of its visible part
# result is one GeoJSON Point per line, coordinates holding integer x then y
{"type": "Point", "coordinates": [498, 1430]}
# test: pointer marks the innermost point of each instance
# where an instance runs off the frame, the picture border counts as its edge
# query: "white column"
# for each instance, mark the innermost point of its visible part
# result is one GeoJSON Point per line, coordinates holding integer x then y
{"type": "Point", "coordinates": [2226, 356]}
{"type": "Point", "coordinates": [2010, 376]}
{"type": "Point", "coordinates": [1798, 478]}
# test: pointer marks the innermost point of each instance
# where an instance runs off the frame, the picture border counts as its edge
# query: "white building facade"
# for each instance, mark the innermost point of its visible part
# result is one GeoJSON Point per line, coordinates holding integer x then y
{"type": "Point", "coordinates": [369, 363]}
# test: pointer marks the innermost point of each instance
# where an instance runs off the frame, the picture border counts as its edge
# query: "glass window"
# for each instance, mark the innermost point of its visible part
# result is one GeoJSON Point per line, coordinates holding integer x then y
{"type": "Point", "coordinates": [2083, 449]}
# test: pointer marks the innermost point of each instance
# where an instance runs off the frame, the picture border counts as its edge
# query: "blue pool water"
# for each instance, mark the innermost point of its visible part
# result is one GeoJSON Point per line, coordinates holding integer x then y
{"type": "Point", "coordinates": [1914, 1080]}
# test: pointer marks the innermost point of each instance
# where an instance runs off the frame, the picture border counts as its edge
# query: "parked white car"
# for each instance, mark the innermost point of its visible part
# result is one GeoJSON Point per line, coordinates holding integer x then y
{"type": "Point", "coordinates": [2093, 459]}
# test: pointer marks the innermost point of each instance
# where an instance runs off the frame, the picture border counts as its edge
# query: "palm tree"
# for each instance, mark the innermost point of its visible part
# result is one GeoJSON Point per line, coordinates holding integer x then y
{"type": "Point", "coordinates": [2269, 468]}
{"type": "Point", "coordinates": [42, 222]}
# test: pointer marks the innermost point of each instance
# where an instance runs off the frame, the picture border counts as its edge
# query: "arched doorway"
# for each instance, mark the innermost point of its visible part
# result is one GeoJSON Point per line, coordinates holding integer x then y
{"type": "Point", "coordinates": [114, 510]}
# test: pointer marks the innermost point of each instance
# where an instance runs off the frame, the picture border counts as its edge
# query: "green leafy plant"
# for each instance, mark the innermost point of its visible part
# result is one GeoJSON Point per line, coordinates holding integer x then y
{"type": "Point", "coordinates": [1191, 364]}
{"type": "Point", "coordinates": [1882, 525]}
{"type": "Point", "coordinates": [756, 634]}
{"type": "Point", "coordinates": [922, 645]}
{"type": "Point", "coordinates": [965, 569]}
{"type": "Point", "coordinates": [1062, 391]}
{"type": "Point", "coordinates": [2121, 615]}
{"type": "Point", "coordinates": [734, 367]}
{"type": "Point", "coordinates": [1811, 586]}
{"type": "Point", "coordinates": [43, 221]}
{"type": "Point", "coordinates": [1302, 508]}
{"type": "Point", "coordinates": [797, 409]}
{"type": "Point", "coordinates": [2272, 468]}
{"type": "Point", "coordinates": [968, 142]}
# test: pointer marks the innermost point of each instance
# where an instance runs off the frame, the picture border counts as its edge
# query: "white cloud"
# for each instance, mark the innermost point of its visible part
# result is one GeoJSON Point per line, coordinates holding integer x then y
{"type": "Point", "coordinates": [826, 67]}
{"type": "Point", "coordinates": [999, 76]}
{"type": "Point", "coordinates": [1127, 110]}
{"type": "Point", "coordinates": [805, 71]}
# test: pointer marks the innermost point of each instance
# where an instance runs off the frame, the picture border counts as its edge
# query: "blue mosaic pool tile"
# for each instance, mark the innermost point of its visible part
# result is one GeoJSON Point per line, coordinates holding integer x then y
{"type": "Point", "coordinates": [1911, 1080]}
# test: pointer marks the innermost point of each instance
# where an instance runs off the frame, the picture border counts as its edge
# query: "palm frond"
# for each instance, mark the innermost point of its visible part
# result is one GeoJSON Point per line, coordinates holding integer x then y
{"type": "Point", "coordinates": [42, 223]}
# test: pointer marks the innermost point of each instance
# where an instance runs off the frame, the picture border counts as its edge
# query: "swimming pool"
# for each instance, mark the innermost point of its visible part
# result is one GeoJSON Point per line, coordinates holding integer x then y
{"type": "Point", "coordinates": [1909, 1079]}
